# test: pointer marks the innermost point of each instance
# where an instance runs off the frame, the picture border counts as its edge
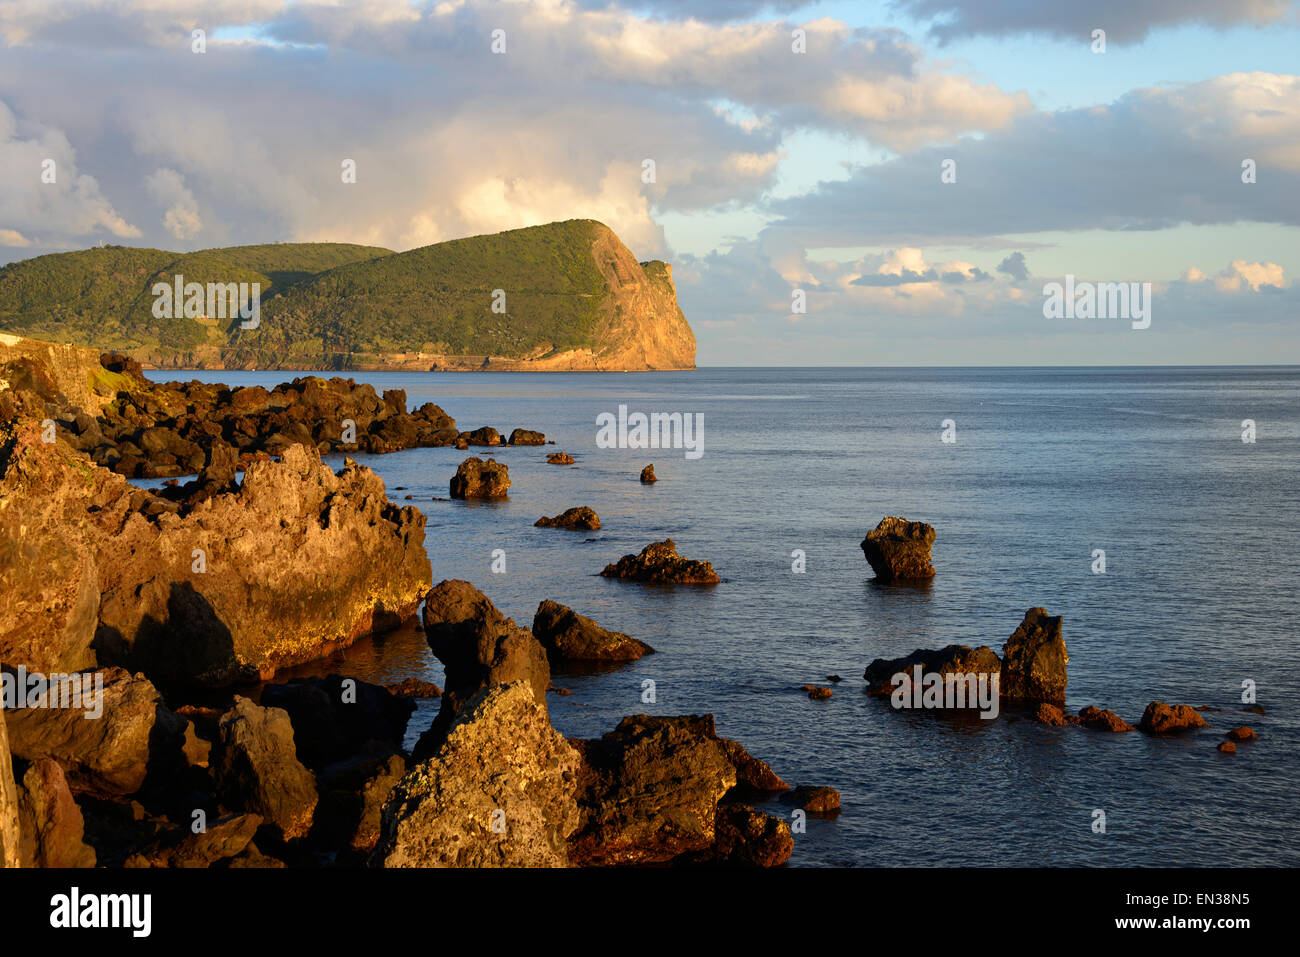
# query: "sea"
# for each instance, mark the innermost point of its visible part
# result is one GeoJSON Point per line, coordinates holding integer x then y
{"type": "Point", "coordinates": [1186, 479]}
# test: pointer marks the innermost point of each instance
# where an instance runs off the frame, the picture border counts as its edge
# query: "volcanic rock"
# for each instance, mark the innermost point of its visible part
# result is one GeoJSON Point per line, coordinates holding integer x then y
{"type": "Point", "coordinates": [814, 799]}
{"type": "Point", "coordinates": [51, 825]}
{"type": "Point", "coordinates": [1242, 734]}
{"type": "Point", "coordinates": [579, 519]}
{"type": "Point", "coordinates": [527, 437]}
{"type": "Point", "coordinates": [1034, 659]}
{"type": "Point", "coordinates": [1161, 718]}
{"type": "Point", "coordinates": [334, 717]}
{"type": "Point", "coordinates": [476, 478]}
{"type": "Point", "coordinates": [568, 636]}
{"type": "Point", "coordinates": [750, 838]}
{"type": "Point", "coordinates": [659, 564]}
{"type": "Point", "coordinates": [953, 659]}
{"type": "Point", "coordinates": [9, 831]}
{"type": "Point", "coordinates": [899, 551]}
{"type": "Point", "coordinates": [1098, 719]}
{"type": "Point", "coordinates": [559, 458]}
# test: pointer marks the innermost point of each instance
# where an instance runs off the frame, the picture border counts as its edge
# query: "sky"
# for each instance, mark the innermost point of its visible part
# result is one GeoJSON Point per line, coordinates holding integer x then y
{"type": "Point", "coordinates": [840, 183]}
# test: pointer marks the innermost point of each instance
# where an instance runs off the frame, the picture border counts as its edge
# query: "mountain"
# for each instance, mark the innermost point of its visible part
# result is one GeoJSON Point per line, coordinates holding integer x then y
{"type": "Point", "coordinates": [564, 296]}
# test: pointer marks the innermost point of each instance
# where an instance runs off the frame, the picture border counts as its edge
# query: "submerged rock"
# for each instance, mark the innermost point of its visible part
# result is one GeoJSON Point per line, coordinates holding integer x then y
{"type": "Point", "coordinates": [659, 563]}
{"type": "Point", "coordinates": [1097, 719]}
{"type": "Point", "coordinates": [899, 551]}
{"type": "Point", "coordinates": [1242, 734]}
{"type": "Point", "coordinates": [1161, 718]}
{"type": "Point", "coordinates": [569, 636]}
{"type": "Point", "coordinates": [580, 518]}
{"type": "Point", "coordinates": [1227, 747]}
{"type": "Point", "coordinates": [1034, 659]}
{"type": "Point", "coordinates": [559, 458]}
{"type": "Point", "coordinates": [953, 659]}
{"type": "Point", "coordinates": [477, 478]}
{"type": "Point", "coordinates": [500, 791]}
{"type": "Point", "coordinates": [414, 688]}
{"type": "Point", "coordinates": [748, 837]}
{"type": "Point", "coordinates": [814, 799]}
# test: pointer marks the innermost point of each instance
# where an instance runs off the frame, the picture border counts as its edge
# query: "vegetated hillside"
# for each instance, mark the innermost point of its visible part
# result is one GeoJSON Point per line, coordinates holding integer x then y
{"type": "Point", "coordinates": [574, 297]}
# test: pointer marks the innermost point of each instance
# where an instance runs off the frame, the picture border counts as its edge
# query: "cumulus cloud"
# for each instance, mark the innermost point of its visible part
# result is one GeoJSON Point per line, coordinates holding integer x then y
{"type": "Point", "coordinates": [167, 188]}
{"type": "Point", "coordinates": [1240, 274]}
{"type": "Point", "coordinates": [1014, 266]}
{"type": "Point", "coordinates": [1123, 20]}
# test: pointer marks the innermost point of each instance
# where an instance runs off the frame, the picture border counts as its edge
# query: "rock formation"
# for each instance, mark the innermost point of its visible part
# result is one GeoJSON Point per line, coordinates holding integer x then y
{"type": "Point", "coordinates": [954, 659]}
{"type": "Point", "coordinates": [476, 478]}
{"type": "Point", "coordinates": [52, 828]}
{"type": "Point", "coordinates": [1161, 718]}
{"type": "Point", "coordinates": [660, 564]}
{"type": "Point", "coordinates": [1034, 659]}
{"type": "Point", "coordinates": [568, 636]}
{"type": "Point", "coordinates": [578, 519]}
{"type": "Point", "coordinates": [559, 458]}
{"type": "Point", "coordinates": [255, 765]}
{"type": "Point", "coordinates": [648, 475]}
{"type": "Point", "coordinates": [527, 437]}
{"type": "Point", "coordinates": [9, 839]}
{"type": "Point", "coordinates": [899, 551]}
{"type": "Point", "coordinates": [1098, 719]}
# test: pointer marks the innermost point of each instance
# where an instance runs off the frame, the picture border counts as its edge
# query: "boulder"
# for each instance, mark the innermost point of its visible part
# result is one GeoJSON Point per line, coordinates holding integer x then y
{"type": "Point", "coordinates": [648, 475]}
{"type": "Point", "coordinates": [484, 436]}
{"type": "Point", "coordinates": [500, 791]}
{"type": "Point", "coordinates": [650, 791]}
{"type": "Point", "coordinates": [568, 636]}
{"type": "Point", "coordinates": [749, 838]}
{"type": "Point", "coordinates": [52, 829]}
{"type": "Point", "coordinates": [414, 688]}
{"type": "Point", "coordinates": [255, 767]}
{"type": "Point", "coordinates": [818, 694]}
{"type": "Point", "coordinates": [476, 478]}
{"type": "Point", "coordinates": [1034, 659]}
{"type": "Point", "coordinates": [899, 551]}
{"type": "Point", "coordinates": [1098, 719]}
{"type": "Point", "coordinates": [9, 830]}
{"type": "Point", "coordinates": [1227, 747]}
{"type": "Point", "coordinates": [353, 795]}
{"type": "Point", "coordinates": [107, 755]}
{"type": "Point", "coordinates": [559, 458]}
{"type": "Point", "coordinates": [1050, 714]}
{"type": "Point", "coordinates": [478, 647]}
{"type": "Point", "coordinates": [815, 800]}
{"type": "Point", "coordinates": [1161, 718]}
{"type": "Point", "coordinates": [660, 564]}
{"type": "Point", "coordinates": [953, 659]}
{"type": "Point", "coordinates": [579, 519]}
{"type": "Point", "coordinates": [527, 437]}
{"type": "Point", "coordinates": [1242, 734]}
{"type": "Point", "coordinates": [334, 717]}
{"type": "Point", "coordinates": [754, 777]}
{"type": "Point", "coordinates": [223, 839]}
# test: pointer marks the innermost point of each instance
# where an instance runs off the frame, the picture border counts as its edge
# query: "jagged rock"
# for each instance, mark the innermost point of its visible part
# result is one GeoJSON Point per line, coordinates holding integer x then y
{"type": "Point", "coordinates": [1242, 734]}
{"type": "Point", "coordinates": [899, 551]}
{"type": "Point", "coordinates": [414, 688]}
{"type": "Point", "coordinates": [52, 829]}
{"type": "Point", "coordinates": [580, 518]}
{"type": "Point", "coordinates": [527, 437]}
{"type": "Point", "coordinates": [255, 766]}
{"type": "Point", "coordinates": [499, 791]}
{"type": "Point", "coordinates": [476, 478]}
{"type": "Point", "coordinates": [478, 646]}
{"type": "Point", "coordinates": [754, 777]}
{"type": "Point", "coordinates": [299, 562]}
{"type": "Point", "coordinates": [1161, 718]}
{"type": "Point", "coordinates": [954, 659]}
{"type": "Point", "coordinates": [252, 857]}
{"type": "Point", "coordinates": [9, 830]}
{"type": "Point", "coordinates": [1034, 659]}
{"type": "Point", "coordinates": [353, 795]}
{"type": "Point", "coordinates": [1098, 719]}
{"type": "Point", "coordinates": [108, 755]}
{"type": "Point", "coordinates": [648, 475]}
{"type": "Point", "coordinates": [224, 839]}
{"type": "Point", "coordinates": [814, 800]}
{"type": "Point", "coordinates": [818, 694]}
{"type": "Point", "coordinates": [334, 717]}
{"type": "Point", "coordinates": [1052, 715]}
{"type": "Point", "coordinates": [568, 636]}
{"type": "Point", "coordinates": [748, 837]}
{"type": "Point", "coordinates": [650, 791]}
{"type": "Point", "coordinates": [659, 563]}
{"type": "Point", "coordinates": [559, 458]}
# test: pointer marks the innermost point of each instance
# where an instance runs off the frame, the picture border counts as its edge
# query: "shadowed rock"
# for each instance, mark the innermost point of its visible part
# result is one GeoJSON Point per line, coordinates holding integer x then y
{"type": "Point", "coordinates": [1098, 719]}
{"type": "Point", "coordinates": [224, 839]}
{"type": "Point", "coordinates": [50, 822]}
{"type": "Point", "coordinates": [579, 519]}
{"type": "Point", "coordinates": [660, 564]}
{"type": "Point", "coordinates": [954, 660]}
{"type": "Point", "coordinates": [255, 766]}
{"type": "Point", "coordinates": [648, 475]}
{"type": "Point", "coordinates": [568, 636]}
{"type": "Point", "coordinates": [334, 717]}
{"type": "Point", "coordinates": [477, 478]}
{"type": "Point", "coordinates": [899, 551]}
{"type": "Point", "coordinates": [749, 838]}
{"type": "Point", "coordinates": [1034, 659]}
{"type": "Point", "coordinates": [9, 832]}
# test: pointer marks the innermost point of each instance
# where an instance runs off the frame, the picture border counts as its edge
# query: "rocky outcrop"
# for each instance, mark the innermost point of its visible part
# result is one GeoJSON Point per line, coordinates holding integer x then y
{"type": "Point", "coordinates": [568, 636]}
{"type": "Point", "coordinates": [1161, 718]}
{"type": "Point", "coordinates": [1034, 659]}
{"type": "Point", "coordinates": [559, 458]}
{"type": "Point", "coordinates": [500, 791]}
{"type": "Point", "coordinates": [749, 838]}
{"type": "Point", "coordinates": [478, 647]}
{"type": "Point", "coordinates": [51, 824]}
{"type": "Point", "coordinates": [527, 437]}
{"type": "Point", "coordinates": [954, 660]}
{"type": "Point", "coordinates": [482, 436]}
{"type": "Point", "coordinates": [650, 791]}
{"type": "Point", "coordinates": [476, 478]}
{"type": "Point", "coordinates": [899, 551]}
{"type": "Point", "coordinates": [297, 562]}
{"type": "Point", "coordinates": [578, 519]}
{"type": "Point", "coordinates": [9, 830]}
{"type": "Point", "coordinates": [223, 840]}
{"type": "Point", "coordinates": [648, 475]}
{"type": "Point", "coordinates": [353, 795]}
{"type": "Point", "coordinates": [814, 799]}
{"type": "Point", "coordinates": [1098, 719]}
{"type": "Point", "coordinates": [334, 717]}
{"type": "Point", "coordinates": [107, 755]}
{"type": "Point", "coordinates": [255, 766]}
{"type": "Point", "coordinates": [1050, 714]}
{"type": "Point", "coordinates": [659, 564]}
{"type": "Point", "coordinates": [1243, 733]}
{"type": "Point", "coordinates": [754, 777]}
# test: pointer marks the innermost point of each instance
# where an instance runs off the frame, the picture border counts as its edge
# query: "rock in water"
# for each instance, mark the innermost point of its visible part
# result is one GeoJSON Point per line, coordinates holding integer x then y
{"type": "Point", "coordinates": [559, 458]}
{"type": "Point", "coordinates": [952, 660]}
{"type": "Point", "coordinates": [9, 840]}
{"type": "Point", "coordinates": [816, 800]}
{"type": "Point", "coordinates": [1243, 733]}
{"type": "Point", "coordinates": [527, 437]}
{"type": "Point", "coordinates": [477, 478]}
{"type": "Point", "coordinates": [648, 475]}
{"type": "Point", "coordinates": [899, 551]}
{"type": "Point", "coordinates": [484, 436]}
{"type": "Point", "coordinates": [1034, 659]}
{"type": "Point", "coordinates": [499, 791]}
{"type": "Point", "coordinates": [1161, 718]}
{"type": "Point", "coordinates": [255, 765]}
{"type": "Point", "coordinates": [650, 791]}
{"type": "Point", "coordinates": [579, 519]}
{"type": "Point", "coordinates": [1098, 719]}
{"type": "Point", "coordinates": [750, 838]}
{"type": "Point", "coordinates": [660, 564]}
{"type": "Point", "coordinates": [52, 827]}
{"type": "Point", "coordinates": [568, 636]}
{"type": "Point", "coordinates": [478, 646]}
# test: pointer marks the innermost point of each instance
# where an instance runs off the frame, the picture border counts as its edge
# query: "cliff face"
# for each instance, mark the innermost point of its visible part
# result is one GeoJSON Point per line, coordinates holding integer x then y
{"type": "Point", "coordinates": [51, 369]}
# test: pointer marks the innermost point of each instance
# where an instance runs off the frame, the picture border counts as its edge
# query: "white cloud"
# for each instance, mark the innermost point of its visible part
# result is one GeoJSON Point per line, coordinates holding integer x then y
{"type": "Point", "coordinates": [167, 188]}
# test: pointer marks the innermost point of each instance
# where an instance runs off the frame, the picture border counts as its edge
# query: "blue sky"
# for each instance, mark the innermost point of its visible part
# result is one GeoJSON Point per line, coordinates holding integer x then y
{"type": "Point", "coordinates": [774, 172]}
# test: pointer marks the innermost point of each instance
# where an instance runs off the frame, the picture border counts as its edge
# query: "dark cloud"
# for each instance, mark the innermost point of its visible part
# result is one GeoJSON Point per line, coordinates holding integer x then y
{"type": "Point", "coordinates": [1014, 266]}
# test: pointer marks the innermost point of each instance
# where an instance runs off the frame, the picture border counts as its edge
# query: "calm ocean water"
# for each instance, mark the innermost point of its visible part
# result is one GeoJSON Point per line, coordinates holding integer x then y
{"type": "Point", "coordinates": [1200, 532]}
